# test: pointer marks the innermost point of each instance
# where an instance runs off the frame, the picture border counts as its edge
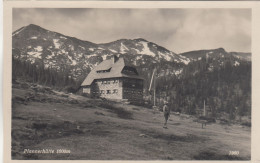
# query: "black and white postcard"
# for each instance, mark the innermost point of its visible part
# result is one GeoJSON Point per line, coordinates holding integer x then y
{"type": "Point", "coordinates": [131, 81]}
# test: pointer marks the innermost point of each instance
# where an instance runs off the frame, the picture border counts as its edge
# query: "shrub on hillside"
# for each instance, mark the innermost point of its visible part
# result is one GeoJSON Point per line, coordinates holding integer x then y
{"type": "Point", "coordinates": [70, 89]}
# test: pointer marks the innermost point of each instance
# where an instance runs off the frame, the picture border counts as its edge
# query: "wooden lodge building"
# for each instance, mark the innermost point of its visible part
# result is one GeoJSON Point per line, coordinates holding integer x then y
{"type": "Point", "coordinates": [114, 79]}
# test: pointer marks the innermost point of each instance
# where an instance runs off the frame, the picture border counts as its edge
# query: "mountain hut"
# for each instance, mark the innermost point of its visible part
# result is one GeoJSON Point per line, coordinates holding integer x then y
{"type": "Point", "coordinates": [114, 79]}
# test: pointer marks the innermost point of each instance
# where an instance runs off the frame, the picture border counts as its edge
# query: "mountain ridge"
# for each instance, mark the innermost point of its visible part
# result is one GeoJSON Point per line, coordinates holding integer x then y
{"type": "Point", "coordinates": [37, 45]}
{"type": "Point", "coordinates": [52, 49]}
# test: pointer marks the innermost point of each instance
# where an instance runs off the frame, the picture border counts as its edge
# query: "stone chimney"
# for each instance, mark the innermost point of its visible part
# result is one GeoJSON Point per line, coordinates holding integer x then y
{"type": "Point", "coordinates": [115, 58]}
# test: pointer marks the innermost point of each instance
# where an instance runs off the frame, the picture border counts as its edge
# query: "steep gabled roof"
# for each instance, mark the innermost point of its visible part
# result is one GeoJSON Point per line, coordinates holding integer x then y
{"type": "Point", "coordinates": [105, 65]}
{"type": "Point", "coordinates": [115, 71]}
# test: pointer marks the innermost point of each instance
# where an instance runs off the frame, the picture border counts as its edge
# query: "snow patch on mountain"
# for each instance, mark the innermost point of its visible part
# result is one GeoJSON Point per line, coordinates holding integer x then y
{"type": "Point", "coordinates": [48, 63]}
{"type": "Point", "coordinates": [31, 60]}
{"type": "Point", "coordinates": [137, 51]}
{"type": "Point", "coordinates": [56, 43]}
{"type": "Point", "coordinates": [166, 56]}
{"type": "Point", "coordinates": [146, 50]}
{"type": "Point", "coordinates": [79, 56]}
{"type": "Point", "coordinates": [236, 63]}
{"type": "Point", "coordinates": [123, 48]}
{"type": "Point", "coordinates": [82, 47]}
{"type": "Point", "coordinates": [50, 56]}
{"type": "Point", "coordinates": [183, 57]}
{"type": "Point", "coordinates": [178, 72]}
{"type": "Point", "coordinates": [72, 60]}
{"type": "Point", "coordinates": [63, 37]}
{"type": "Point", "coordinates": [113, 51]}
{"type": "Point", "coordinates": [185, 61]}
{"type": "Point", "coordinates": [38, 48]}
{"type": "Point", "coordinates": [71, 47]}
{"type": "Point", "coordinates": [35, 54]}
{"type": "Point", "coordinates": [92, 55]}
{"type": "Point", "coordinates": [138, 57]}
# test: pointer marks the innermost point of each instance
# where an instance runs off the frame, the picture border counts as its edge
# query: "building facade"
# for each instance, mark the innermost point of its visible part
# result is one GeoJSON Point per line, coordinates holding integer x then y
{"type": "Point", "coordinates": [113, 79]}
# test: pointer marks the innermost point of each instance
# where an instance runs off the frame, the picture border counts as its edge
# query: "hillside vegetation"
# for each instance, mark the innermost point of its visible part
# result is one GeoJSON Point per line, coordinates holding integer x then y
{"type": "Point", "coordinates": [226, 89]}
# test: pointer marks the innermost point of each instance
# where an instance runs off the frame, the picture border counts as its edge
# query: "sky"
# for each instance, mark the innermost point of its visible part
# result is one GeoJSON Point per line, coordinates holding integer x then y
{"type": "Point", "coordinates": [179, 30]}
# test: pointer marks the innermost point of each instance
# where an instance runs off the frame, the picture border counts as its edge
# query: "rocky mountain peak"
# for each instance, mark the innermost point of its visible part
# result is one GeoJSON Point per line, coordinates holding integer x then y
{"type": "Point", "coordinates": [140, 39]}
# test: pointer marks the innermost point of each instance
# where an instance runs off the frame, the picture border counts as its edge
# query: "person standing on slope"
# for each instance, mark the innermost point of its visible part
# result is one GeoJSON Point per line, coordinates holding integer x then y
{"type": "Point", "coordinates": [166, 112]}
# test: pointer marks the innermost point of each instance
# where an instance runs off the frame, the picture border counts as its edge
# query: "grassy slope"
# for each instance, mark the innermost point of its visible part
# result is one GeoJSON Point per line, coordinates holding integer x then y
{"type": "Point", "coordinates": [91, 132]}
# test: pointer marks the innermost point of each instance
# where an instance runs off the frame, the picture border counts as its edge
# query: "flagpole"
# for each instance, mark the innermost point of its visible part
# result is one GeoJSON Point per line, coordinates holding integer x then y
{"type": "Point", "coordinates": [204, 109]}
{"type": "Point", "coordinates": [154, 92]}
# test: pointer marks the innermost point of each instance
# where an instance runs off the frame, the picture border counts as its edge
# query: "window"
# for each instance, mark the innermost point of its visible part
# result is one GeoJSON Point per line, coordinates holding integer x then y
{"type": "Point", "coordinates": [115, 81]}
{"type": "Point", "coordinates": [103, 71]}
{"type": "Point", "coordinates": [115, 91]}
{"type": "Point", "coordinates": [105, 82]}
{"type": "Point", "coordinates": [108, 91]}
{"type": "Point", "coordinates": [102, 92]}
{"type": "Point", "coordinates": [108, 82]}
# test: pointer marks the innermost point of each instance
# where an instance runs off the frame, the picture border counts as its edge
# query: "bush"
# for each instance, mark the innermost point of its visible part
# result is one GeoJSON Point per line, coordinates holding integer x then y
{"type": "Point", "coordinates": [70, 89]}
